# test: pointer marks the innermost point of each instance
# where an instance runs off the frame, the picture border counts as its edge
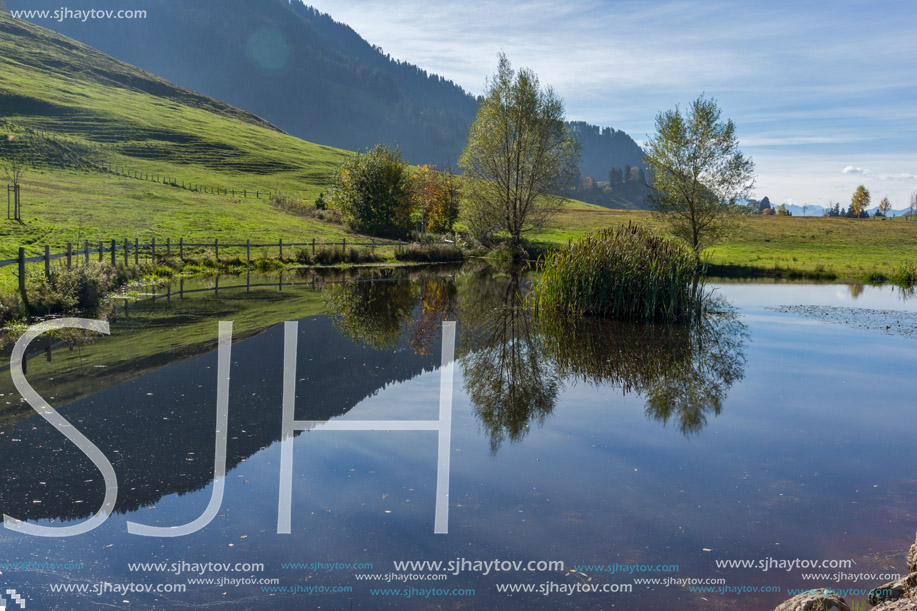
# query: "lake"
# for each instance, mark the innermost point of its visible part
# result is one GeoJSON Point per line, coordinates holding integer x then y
{"type": "Point", "coordinates": [589, 465]}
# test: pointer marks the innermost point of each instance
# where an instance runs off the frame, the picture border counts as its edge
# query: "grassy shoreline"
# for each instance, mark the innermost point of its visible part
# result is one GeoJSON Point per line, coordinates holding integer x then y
{"type": "Point", "coordinates": [800, 248]}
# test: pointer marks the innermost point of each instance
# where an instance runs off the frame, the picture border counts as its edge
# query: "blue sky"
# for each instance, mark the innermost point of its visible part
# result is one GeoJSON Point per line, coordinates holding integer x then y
{"type": "Point", "coordinates": [823, 94]}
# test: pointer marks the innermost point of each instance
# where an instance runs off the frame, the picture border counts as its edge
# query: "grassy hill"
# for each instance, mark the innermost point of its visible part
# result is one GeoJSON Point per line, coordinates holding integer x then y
{"type": "Point", "coordinates": [71, 110]}
{"type": "Point", "coordinates": [313, 76]}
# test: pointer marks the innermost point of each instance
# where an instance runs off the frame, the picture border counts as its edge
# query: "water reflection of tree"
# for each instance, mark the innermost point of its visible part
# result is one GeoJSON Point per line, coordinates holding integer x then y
{"type": "Point", "coordinates": [684, 373]}
{"type": "Point", "coordinates": [374, 313]}
{"type": "Point", "coordinates": [515, 362]}
{"type": "Point", "coordinates": [437, 303]}
{"type": "Point", "coordinates": [508, 380]}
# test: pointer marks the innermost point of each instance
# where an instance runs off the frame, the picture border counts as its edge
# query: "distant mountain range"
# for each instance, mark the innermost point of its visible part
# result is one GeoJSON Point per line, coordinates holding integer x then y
{"type": "Point", "coordinates": [796, 210]}
{"type": "Point", "coordinates": [308, 74]}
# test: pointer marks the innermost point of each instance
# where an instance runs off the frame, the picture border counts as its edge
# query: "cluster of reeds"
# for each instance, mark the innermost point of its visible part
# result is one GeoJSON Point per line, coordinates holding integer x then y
{"type": "Point", "coordinates": [334, 256]}
{"type": "Point", "coordinates": [625, 273]}
{"type": "Point", "coordinates": [430, 254]}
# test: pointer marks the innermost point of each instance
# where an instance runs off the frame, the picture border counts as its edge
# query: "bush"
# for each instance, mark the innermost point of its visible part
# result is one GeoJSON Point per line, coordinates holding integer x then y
{"type": "Point", "coordinates": [267, 265]}
{"type": "Point", "coordinates": [78, 288]}
{"type": "Point", "coordinates": [430, 253]}
{"type": "Point", "coordinates": [876, 278]}
{"type": "Point", "coordinates": [163, 271]}
{"type": "Point", "coordinates": [371, 192]}
{"type": "Point", "coordinates": [907, 275]}
{"type": "Point", "coordinates": [333, 256]}
{"type": "Point", "coordinates": [625, 273]}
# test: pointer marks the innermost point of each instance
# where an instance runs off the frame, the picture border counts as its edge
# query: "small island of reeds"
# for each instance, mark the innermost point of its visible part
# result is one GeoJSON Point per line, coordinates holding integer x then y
{"type": "Point", "coordinates": [624, 273]}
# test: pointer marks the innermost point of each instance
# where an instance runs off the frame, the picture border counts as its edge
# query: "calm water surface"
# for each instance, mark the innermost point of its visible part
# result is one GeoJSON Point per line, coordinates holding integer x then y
{"type": "Point", "coordinates": [758, 436]}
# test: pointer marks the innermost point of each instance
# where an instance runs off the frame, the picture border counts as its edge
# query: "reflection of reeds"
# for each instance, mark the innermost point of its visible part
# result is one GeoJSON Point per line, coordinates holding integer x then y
{"type": "Point", "coordinates": [683, 372]}
{"type": "Point", "coordinates": [624, 354]}
{"type": "Point", "coordinates": [624, 273]}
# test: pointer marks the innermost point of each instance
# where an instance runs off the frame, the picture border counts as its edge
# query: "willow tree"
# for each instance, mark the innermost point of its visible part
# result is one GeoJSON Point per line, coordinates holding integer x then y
{"type": "Point", "coordinates": [697, 172]}
{"type": "Point", "coordinates": [520, 156]}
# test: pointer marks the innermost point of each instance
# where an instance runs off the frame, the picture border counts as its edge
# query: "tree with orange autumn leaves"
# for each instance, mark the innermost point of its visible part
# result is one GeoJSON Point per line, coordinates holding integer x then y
{"type": "Point", "coordinates": [435, 196]}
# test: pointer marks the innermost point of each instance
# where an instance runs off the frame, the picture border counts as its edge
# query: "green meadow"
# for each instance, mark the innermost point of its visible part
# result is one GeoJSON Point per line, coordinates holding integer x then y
{"type": "Point", "coordinates": [194, 166]}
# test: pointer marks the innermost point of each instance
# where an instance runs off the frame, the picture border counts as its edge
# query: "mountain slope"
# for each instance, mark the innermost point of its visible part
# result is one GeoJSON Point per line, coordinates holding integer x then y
{"type": "Point", "coordinates": [69, 108]}
{"type": "Point", "coordinates": [312, 76]}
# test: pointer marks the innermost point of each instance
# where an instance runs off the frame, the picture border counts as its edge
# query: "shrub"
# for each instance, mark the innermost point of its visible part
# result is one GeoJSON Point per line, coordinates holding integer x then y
{"type": "Point", "coordinates": [267, 265]}
{"type": "Point", "coordinates": [430, 254]}
{"type": "Point", "coordinates": [333, 256]}
{"type": "Point", "coordinates": [77, 288]}
{"type": "Point", "coordinates": [907, 275]}
{"type": "Point", "coordinates": [371, 192]}
{"type": "Point", "coordinates": [625, 273]}
{"type": "Point", "coordinates": [163, 271]}
{"type": "Point", "coordinates": [876, 278]}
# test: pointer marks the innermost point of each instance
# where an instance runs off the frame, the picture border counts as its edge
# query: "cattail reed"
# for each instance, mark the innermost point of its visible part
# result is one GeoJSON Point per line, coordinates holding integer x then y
{"type": "Point", "coordinates": [624, 273]}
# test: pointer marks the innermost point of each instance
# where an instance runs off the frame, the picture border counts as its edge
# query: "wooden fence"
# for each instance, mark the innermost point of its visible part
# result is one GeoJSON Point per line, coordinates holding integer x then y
{"type": "Point", "coordinates": [123, 250]}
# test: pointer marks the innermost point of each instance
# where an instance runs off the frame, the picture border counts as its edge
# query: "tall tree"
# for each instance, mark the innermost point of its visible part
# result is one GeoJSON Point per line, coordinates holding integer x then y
{"type": "Point", "coordinates": [885, 206]}
{"type": "Point", "coordinates": [697, 172]}
{"type": "Point", "coordinates": [860, 200]}
{"type": "Point", "coordinates": [519, 157]}
{"type": "Point", "coordinates": [913, 203]}
{"type": "Point", "coordinates": [616, 175]}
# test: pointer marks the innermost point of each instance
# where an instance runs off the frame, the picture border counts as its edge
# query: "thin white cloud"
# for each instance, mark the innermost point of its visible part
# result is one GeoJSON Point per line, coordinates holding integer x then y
{"type": "Point", "coordinates": [798, 140]}
{"type": "Point", "coordinates": [850, 169]}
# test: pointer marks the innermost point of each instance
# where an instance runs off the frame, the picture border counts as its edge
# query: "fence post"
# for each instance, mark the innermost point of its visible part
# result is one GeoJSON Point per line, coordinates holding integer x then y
{"type": "Point", "coordinates": [22, 277]}
{"type": "Point", "coordinates": [248, 250]}
{"type": "Point", "coordinates": [216, 249]}
{"type": "Point", "coordinates": [69, 255]}
{"type": "Point", "coordinates": [168, 247]}
{"type": "Point", "coordinates": [136, 252]}
{"type": "Point", "coordinates": [153, 250]}
{"type": "Point", "coordinates": [343, 244]}
{"type": "Point", "coordinates": [181, 248]}
{"type": "Point", "coordinates": [280, 244]}
{"type": "Point", "coordinates": [101, 251]}
{"type": "Point", "coordinates": [248, 282]}
{"type": "Point", "coordinates": [114, 250]}
{"type": "Point", "coordinates": [313, 247]}
{"type": "Point", "coordinates": [86, 252]}
{"type": "Point", "coordinates": [181, 288]}
{"type": "Point", "coordinates": [47, 261]}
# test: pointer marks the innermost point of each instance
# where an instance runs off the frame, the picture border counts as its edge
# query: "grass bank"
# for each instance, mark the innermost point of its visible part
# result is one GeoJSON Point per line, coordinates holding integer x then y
{"type": "Point", "coordinates": [775, 247]}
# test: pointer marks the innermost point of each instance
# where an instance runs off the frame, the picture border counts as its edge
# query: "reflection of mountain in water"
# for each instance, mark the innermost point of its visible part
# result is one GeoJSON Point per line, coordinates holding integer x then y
{"type": "Point", "coordinates": [158, 430]}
